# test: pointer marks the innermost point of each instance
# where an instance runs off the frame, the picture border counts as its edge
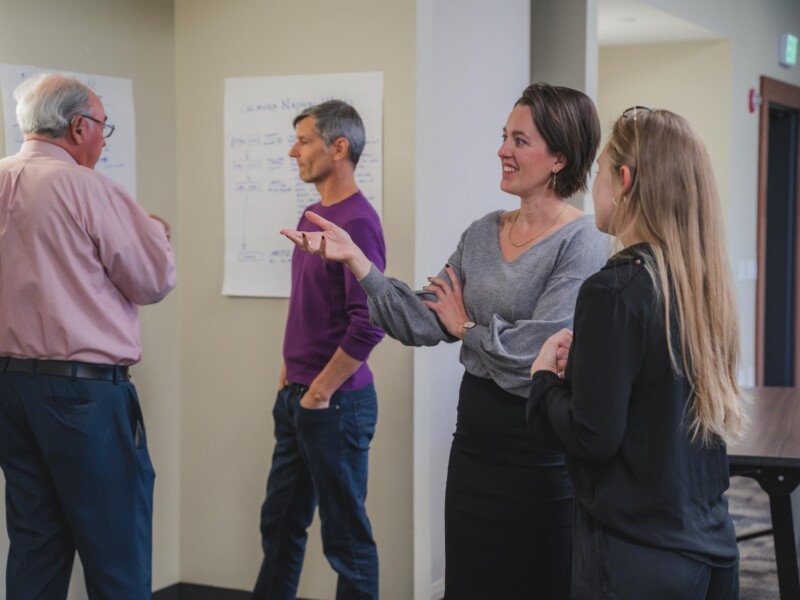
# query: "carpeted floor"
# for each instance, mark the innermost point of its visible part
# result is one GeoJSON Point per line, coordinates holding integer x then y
{"type": "Point", "coordinates": [749, 508]}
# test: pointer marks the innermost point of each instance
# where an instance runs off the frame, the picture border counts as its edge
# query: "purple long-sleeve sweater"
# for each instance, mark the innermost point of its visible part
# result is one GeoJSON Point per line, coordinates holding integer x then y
{"type": "Point", "coordinates": [328, 307]}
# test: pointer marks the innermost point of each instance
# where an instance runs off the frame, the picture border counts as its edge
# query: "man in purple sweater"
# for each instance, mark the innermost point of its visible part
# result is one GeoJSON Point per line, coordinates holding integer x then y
{"type": "Point", "coordinates": [326, 409]}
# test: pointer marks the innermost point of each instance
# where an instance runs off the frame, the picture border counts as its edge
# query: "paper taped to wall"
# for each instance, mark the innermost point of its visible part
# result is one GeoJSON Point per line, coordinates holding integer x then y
{"type": "Point", "coordinates": [263, 193]}
{"type": "Point", "coordinates": [118, 160]}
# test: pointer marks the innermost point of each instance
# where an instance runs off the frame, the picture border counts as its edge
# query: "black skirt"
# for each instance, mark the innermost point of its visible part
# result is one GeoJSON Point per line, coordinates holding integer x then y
{"type": "Point", "coordinates": [508, 504]}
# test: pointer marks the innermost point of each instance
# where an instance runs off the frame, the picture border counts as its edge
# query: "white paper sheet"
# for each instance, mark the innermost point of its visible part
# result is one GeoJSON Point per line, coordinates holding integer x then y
{"type": "Point", "coordinates": [118, 160]}
{"type": "Point", "coordinates": [263, 193]}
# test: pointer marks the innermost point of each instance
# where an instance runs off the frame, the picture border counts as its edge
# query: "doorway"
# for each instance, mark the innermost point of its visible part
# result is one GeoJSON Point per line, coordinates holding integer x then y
{"type": "Point", "coordinates": [778, 300]}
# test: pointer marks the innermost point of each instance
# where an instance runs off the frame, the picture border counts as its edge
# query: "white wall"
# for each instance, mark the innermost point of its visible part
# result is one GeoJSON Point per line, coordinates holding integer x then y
{"type": "Point", "coordinates": [564, 43]}
{"type": "Point", "coordinates": [560, 55]}
{"type": "Point", "coordinates": [564, 52]}
{"type": "Point", "coordinates": [473, 63]}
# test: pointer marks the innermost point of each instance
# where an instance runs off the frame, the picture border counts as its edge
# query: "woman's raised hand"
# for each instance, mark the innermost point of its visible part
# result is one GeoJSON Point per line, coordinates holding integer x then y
{"type": "Point", "coordinates": [332, 243]}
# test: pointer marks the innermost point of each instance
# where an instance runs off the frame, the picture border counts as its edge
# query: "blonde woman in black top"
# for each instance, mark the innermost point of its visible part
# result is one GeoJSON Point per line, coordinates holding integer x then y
{"type": "Point", "coordinates": [648, 394]}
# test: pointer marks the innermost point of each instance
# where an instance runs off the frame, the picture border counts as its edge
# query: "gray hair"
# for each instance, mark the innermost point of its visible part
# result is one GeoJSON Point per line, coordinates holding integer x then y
{"type": "Point", "coordinates": [337, 119]}
{"type": "Point", "coordinates": [47, 103]}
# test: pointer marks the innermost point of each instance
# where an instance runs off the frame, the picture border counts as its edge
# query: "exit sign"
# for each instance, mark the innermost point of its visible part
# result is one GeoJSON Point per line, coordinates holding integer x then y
{"type": "Point", "coordinates": [787, 55]}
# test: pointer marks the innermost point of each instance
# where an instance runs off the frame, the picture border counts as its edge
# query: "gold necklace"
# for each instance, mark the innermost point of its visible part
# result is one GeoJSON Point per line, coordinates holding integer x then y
{"type": "Point", "coordinates": [510, 241]}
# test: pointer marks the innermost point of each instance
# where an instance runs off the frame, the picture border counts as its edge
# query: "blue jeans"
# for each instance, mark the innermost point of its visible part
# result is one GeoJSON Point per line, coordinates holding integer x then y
{"type": "Point", "coordinates": [78, 477]}
{"type": "Point", "coordinates": [320, 457]}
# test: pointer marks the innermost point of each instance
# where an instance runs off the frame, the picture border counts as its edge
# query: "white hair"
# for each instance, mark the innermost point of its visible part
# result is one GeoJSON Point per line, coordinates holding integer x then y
{"type": "Point", "coordinates": [47, 103]}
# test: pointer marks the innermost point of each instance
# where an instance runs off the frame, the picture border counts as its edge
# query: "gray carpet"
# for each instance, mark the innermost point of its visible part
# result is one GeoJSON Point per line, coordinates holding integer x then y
{"type": "Point", "coordinates": [749, 508]}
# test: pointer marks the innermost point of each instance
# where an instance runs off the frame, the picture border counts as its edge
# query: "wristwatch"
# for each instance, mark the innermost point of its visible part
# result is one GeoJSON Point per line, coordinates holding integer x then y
{"type": "Point", "coordinates": [468, 325]}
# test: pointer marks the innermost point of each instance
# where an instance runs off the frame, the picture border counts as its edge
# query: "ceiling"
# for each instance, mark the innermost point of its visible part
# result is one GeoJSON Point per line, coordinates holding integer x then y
{"type": "Point", "coordinates": [622, 22]}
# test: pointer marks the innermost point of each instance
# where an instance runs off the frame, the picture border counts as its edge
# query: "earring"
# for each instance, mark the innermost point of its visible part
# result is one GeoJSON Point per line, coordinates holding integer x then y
{"type": "Point", "coordinates": [552, 184]}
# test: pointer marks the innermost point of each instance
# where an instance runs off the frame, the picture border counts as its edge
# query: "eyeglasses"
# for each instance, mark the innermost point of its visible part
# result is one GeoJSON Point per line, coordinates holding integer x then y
{"type": "Point", "coordinates": [633, 110]}
{"type": "Point", "coordinates": [108, 129]}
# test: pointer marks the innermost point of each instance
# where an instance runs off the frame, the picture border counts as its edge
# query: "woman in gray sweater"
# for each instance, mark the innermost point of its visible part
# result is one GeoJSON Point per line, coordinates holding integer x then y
{"type": "Point", "coordinates": [510, 284]}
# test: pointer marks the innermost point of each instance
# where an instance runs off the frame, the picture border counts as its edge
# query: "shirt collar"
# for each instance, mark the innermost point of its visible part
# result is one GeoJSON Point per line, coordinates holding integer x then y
{"type": "Point", "coordinates": [636, 254]}
{"type": "Point", "coordinates": [48, 149]}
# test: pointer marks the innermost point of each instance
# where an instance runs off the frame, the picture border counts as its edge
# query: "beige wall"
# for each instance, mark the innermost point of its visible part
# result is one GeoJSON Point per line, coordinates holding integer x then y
{"type": "Point", "coordinates": [221, 355]}
{"type": "Point", "coordinates": [231, 347]}
{"type": "Point", "coordinates": [692, 79]}
{"type": "Point", "coordinates": [133, 39]}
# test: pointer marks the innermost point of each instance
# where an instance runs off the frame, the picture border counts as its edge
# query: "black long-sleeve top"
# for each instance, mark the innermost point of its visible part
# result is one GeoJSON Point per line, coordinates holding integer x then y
{"type": "Point", "coordinates": [620, 415]}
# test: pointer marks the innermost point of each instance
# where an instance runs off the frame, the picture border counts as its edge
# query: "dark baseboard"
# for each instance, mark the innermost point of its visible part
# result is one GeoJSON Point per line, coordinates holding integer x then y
{"type": "Point", "coordinates": [190, 591]}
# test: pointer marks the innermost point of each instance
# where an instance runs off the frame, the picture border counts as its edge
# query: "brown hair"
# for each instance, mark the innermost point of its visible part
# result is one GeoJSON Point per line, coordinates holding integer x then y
{"type": "Point", "coordinates": [568, 122]}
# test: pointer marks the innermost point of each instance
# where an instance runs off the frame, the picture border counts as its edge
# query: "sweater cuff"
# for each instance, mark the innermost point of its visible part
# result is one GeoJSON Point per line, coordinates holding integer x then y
{"type": "Point", "coordinates": [374, 282]}
{"type": "Point", "coordinates": [472, 338]}
{"type": "Point", "coordinates": [542, 381]}
{"type": "Point", "coordinates": [356, 349]}
{"type": "Point", "coordinates": [536, 409]}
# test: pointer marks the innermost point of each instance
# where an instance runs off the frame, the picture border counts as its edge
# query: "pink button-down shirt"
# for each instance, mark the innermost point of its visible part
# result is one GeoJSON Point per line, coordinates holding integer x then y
{"type": "Point", "coordinates": [77, 255]}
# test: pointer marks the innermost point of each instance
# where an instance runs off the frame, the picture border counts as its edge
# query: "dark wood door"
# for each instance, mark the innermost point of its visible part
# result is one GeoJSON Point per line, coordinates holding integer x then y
{"type": "Point", "coordinates": [778, 294]}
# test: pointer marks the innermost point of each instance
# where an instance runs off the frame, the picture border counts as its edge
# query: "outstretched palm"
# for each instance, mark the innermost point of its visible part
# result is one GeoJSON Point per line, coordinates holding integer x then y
{"type": "Point", "coordinates": [332, 243]}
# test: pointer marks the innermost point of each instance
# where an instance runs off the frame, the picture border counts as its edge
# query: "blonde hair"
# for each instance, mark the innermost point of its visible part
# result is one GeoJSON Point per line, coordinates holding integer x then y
{"type": "Point", "coordinates": [673, 205]}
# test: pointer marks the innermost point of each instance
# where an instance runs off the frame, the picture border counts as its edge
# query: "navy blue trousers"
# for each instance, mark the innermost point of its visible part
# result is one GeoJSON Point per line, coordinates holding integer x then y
{"type": "Point", "coordinates": [78, 478]}
{"type": "Point", "coordinates": [320, 457]}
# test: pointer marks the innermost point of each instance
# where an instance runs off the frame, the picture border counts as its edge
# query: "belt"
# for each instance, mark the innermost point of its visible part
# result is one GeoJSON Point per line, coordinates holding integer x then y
{"type": "Point", "coordinates": [63, 368]}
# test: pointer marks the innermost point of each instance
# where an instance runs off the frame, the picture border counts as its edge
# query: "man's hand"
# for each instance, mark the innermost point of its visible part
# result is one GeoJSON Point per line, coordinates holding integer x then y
{"type": "Point", "coordinates": [167, 228]}
{"type": "Point", "coordinates": [338, 370]}
{"type": "Point", "coordinates": [315, 399]}
{"type": "Point", "coordinates": [282, 381]}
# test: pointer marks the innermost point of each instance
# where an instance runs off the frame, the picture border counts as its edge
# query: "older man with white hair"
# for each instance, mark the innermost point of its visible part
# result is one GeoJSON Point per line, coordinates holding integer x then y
{"type": "Point", "coordinates": [77, 257]}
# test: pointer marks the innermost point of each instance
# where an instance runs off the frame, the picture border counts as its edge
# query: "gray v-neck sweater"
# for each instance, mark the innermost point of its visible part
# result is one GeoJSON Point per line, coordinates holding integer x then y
{"type": "Point", "coordinates": [516, 305]}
